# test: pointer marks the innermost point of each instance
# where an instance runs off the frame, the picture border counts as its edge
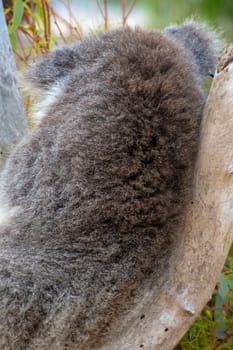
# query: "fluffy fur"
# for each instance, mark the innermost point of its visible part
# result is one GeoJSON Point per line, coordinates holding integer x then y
{"type": "Point", "coordinates": [100, 184]}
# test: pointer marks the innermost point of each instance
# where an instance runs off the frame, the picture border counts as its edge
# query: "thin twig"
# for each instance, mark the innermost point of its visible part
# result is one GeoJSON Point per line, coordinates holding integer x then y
{"type": "Point", "coordinates": [125, 15]}
{"type": "Point", "coordinates": [46, 17]}
{"type": "Point", "coordinates": [57, 25]}
{"type": "Point", "coordinates": [104, 12]}
{"type": "Point", "coordinates": [123, 11]}
{"type": "Point", "coordinates": [100, 8]}
{"type": "Point", "coordinates": [21, 46]}
{"type": "Point", "coordinates": [130, 9]}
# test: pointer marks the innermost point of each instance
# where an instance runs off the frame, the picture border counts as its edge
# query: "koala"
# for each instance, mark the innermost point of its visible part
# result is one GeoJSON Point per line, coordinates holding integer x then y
{"type": "Point", "coordinates": [91, 198]}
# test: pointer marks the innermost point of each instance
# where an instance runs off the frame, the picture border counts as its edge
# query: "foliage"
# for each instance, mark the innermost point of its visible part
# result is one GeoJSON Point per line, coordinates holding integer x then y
{"type": "Point", "coordinates": [29, 24]}
{"type": "Point", "coordinates": [213, 329]}
{"type": "Point", "coordinates": [219, 13]}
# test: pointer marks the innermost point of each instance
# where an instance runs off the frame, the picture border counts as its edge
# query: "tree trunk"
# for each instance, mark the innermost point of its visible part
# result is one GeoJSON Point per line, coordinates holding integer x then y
{"type": "Point", "coordinates": [12, 116]}
{"type": "Point", "coordinates": [207, 231]}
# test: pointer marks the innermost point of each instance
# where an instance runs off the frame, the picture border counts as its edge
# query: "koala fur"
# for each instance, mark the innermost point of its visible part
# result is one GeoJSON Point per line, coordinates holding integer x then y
{"type": "Point", "coordinates": [91, 197]}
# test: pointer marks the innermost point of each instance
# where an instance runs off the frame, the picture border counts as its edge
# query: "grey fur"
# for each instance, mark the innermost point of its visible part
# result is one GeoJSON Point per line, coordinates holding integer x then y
{"type": "Point", "coordinates": [99, 185]}
{"type": "Point", "coordinates": [196, 40]}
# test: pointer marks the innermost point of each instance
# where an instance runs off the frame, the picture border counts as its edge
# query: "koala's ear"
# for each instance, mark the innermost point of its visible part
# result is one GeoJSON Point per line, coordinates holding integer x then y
{"type": "Point", "coordinates": [202, 42]}
{"type": "Point", "coordinates": [52, 67]}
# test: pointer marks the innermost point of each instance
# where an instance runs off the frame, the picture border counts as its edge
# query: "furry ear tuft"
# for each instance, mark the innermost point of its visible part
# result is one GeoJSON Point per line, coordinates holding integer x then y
{"type": "Point", "coordinates": [202, 42]}
{"type": "Point", "coordinates": [51, 68]}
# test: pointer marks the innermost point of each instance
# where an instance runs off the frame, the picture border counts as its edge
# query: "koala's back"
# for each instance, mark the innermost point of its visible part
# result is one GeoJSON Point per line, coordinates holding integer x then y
{"type": "Point", "coordinates": [97, 187]}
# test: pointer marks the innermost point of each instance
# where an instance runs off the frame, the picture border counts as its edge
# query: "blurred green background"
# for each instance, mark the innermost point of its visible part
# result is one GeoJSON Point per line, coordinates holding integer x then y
{"type": "Point", "coordinates": [218, 12]}
{"type": "Point", "coordinates": [156, 13]}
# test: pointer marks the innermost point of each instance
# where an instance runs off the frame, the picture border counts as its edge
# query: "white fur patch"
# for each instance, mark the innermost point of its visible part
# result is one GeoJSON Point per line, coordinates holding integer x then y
{"type": "Point", "coordinates": [48, 98]}
{"type": "Point", "coordinates": [6, 214]}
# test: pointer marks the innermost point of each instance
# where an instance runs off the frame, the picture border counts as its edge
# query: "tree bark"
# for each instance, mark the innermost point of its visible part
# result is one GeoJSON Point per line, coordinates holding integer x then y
{"type": "Point", "coordinates": [12, 116]}
{"type": "Point", "coordinates": [207, 231]}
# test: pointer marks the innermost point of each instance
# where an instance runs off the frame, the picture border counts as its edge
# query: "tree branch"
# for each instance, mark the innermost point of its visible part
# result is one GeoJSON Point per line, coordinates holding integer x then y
{"type": "Point", "coordinates": [12, 116]}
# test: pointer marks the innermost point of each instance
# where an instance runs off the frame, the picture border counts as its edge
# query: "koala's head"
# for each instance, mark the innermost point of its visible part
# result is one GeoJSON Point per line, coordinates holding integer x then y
{"type": "Point", "coordinates": [199, 42]}
{"type": "Point", "coordinates": [195, 38]}
{"type": "Point", "coordinates": [52, 72]}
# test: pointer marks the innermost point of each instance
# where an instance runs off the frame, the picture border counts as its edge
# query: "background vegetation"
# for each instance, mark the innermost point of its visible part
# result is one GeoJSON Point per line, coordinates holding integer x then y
{"type": "Point", "coordinates": [35, 26]}
{"type": "Point", "coordinates": [218, 13]}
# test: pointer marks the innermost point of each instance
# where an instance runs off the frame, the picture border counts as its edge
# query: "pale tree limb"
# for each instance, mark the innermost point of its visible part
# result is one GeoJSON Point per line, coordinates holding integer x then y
{"type": "Point", "coordinates": [165, 313]}
{"type": "Point", "coordinates": [12, 116]}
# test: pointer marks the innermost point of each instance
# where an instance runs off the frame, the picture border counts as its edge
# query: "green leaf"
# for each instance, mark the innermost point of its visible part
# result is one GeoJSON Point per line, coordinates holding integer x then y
{"type": "Point", "coordinates": [218, 301]}
{"type": "Point", "coordinates": [17, 18]}
{"type": "Point", "coordinates": [13, 39]}
{"type": "Point", "coordinates": [229, 281]}
{"type": "Point", "coordinates": [221, 325]}
{"type": "Point", "coordinates": [17, 15]}
{"type": "Point", "coordinates": [223, 286]}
